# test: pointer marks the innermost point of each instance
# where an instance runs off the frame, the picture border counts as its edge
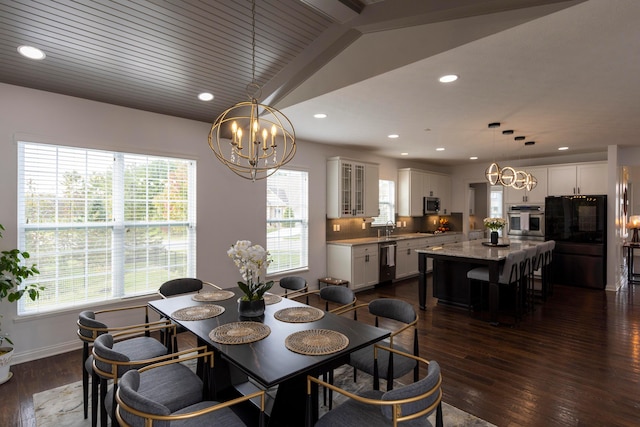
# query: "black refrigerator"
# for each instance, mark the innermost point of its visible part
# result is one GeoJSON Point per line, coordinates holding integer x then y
{"type": "Point", "coordinates": [578, 224]}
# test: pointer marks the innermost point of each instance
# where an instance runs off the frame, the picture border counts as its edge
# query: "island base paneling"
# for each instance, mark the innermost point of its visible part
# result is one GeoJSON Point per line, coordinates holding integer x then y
{"type": "Point", "coordinates": [450, 284]}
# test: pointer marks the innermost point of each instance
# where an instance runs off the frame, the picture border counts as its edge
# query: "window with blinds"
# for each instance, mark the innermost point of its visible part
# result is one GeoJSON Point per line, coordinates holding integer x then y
{"type": "Point", "coordinates": [103, 225]}
{"type": "Point", "coordinates": [386, 203]}
{"type": "Point", "coordinates": [288, 220]}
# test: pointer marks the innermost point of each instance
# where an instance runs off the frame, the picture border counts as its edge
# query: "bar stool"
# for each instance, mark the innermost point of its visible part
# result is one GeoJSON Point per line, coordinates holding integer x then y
{"type": "Point", "coordinates": [509, 276]}
{"type": "Point", "coordinates": [547, 283]}
{"type": "Point", "coordinates": [526, 277]}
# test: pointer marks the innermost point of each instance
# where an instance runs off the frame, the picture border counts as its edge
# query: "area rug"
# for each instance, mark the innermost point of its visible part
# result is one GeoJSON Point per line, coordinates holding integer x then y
{"type": "Point", "coordinates": [62, 406]}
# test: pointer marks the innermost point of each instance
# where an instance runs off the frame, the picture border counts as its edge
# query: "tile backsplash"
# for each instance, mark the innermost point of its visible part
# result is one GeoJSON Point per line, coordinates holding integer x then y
{"type": "Point", "coordinates": [352, 228]}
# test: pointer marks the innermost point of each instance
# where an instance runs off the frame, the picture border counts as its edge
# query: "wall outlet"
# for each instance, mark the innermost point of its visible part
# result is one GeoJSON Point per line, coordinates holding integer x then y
{"type": "Point", "coordinates": [364, 225]}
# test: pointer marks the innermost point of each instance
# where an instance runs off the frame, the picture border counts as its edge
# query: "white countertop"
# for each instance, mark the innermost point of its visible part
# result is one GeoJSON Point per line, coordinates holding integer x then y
{"type": "Point", "coordinates": [393, 238]}
{"type": "Point", "coordinates": [475, 249]}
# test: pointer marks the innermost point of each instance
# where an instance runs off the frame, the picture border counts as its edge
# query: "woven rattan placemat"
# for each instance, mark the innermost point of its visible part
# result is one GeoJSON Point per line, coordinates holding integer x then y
{"type": "Point", "coordinates": [198, 312]}
{"type": "Point", "coordinates": [213, 296]}
{"type": "Point", "coordinates": [239, 333]}
{"type": "Point", "coordinates": [299, 314]}
{"type": "Point", "coordinates": [316, 342]}
{"type": "Point", "coordinates": [271, 299]}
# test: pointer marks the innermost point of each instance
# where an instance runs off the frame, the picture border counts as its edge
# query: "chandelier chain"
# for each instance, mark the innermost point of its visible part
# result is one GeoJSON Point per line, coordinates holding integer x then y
{"type": "Point", "coordinates": [253, 41]}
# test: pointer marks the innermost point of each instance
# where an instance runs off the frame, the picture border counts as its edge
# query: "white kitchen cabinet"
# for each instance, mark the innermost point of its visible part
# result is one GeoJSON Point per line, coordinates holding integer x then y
{"type": "Point", "coordinates": [358, 264]}
{"type": "Point", "coordinates": [585, 178]}
{"type": "Point", "coordinates": [441, 187]}
{"type": "Point", "coordinates": [352, 188]}
{"type": "Point", "coordinates": [414, 185]}
{"type": "Point", "coordinates": [536, 195]}
{"type": "Point", "coordinates": [407, 257]}
{"type": "Point", "coordinates": [411, 192]}
{"type": "Point", "coordinates": [403, 258]}
{"type": "Point", "coordinates": [372, 190]}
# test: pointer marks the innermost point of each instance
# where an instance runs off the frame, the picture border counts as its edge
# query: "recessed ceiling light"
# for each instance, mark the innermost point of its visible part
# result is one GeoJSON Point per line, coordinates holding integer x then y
{"type": "Point", "coordinates": [404, 154]}
{"type": "Point", "coordinates": [31, 52]}
{"type": "Point", "coordinates": [562, 148]}
{"type": "Point", "coordinates": [473, 158]}
{"type": "Point", "coordinates": [205, 96]}
{"type": "Point", "coordinates": [448, 78]}
{"type": "Point", "coordinates": [393, 136]}
{"type": "Point", "coordinates": [440, 149]}
{"type": "Point", "coordinates": [320, 116]}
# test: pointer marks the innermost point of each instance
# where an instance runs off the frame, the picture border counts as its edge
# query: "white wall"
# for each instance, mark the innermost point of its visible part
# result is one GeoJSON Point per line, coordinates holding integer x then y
{"type": "Point", "coordinates": [228, 207]}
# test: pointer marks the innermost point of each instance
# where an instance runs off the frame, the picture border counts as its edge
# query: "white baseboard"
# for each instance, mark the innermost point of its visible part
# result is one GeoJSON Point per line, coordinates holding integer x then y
{"type": "Point", "coordinates": [46, 352]}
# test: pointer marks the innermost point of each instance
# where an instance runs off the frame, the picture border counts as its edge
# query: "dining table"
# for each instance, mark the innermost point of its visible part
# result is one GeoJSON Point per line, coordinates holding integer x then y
{"type": "Point", "coordinates": [461, 257]}
{"type": "Point", "coordinates": [278, 360]}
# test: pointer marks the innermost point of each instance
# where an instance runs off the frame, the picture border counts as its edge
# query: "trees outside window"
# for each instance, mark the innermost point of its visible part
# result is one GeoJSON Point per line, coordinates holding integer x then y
{"type": "Point", "coordinates": [103, 225]}
{"type": "Point", "coordinates": [288, 220]}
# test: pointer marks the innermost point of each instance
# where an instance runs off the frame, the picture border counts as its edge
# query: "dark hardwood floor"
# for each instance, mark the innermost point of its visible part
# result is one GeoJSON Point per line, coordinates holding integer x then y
{"type": "Point", "coordinates": [574, 361]}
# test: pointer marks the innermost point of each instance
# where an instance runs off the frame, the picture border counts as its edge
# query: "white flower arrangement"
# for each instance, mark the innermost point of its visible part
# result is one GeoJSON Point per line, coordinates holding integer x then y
{"type": "Point", "coordinates": [494, 224]}
{"type": "Point", "coordinates": [253, 262]}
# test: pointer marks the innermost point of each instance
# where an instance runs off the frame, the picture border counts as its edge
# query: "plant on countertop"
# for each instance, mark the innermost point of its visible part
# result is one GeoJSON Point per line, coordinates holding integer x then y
{"type": "Point", "coordinates": [12, 273]}
{"type": "Point", "coordinates": [252, 262]}
{"type": "Point", "coordinates": [494, 224]}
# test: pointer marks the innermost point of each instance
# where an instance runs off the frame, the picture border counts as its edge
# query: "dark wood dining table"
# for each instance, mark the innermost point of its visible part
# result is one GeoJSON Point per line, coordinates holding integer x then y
{"type": "Point", "coordinates": [268, 363]}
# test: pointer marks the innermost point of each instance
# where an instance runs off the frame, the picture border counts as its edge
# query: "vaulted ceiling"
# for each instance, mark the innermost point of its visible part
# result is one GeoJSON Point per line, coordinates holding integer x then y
{"type": "Point", "coordinates": [560, 73]}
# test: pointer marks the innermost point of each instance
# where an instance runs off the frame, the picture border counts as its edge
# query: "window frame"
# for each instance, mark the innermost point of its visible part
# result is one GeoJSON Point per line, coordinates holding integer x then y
{"type": "Point", "coordinates": [301, 218]}
{"type": "Point", "coordinates": [381, 204]}
{"type": "Point", "coordinates": [118, 275]}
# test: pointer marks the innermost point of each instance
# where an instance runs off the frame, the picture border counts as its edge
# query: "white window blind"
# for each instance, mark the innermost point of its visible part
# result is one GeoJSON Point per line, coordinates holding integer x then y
{"type": "Point", "coordinates": [103, 225]}
{"type": "Point", "coordinates": [386, 203]}
{"type": "Point", "coordinates": [288, 220]}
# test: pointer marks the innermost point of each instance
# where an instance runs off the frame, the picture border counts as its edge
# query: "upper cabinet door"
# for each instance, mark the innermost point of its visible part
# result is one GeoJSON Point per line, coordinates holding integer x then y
{"type": "Point", "coordinates": [585, 178]}
{"type": "Point", "coordinates": [562, 180]}
{"type": "Point", "coordinates": [372, 191]}
{"type": "Point", "coordinates": [592, 178]}
{"type": "Point", "coordinates": [536, 195]}
{"type": "Point", "coordinates": [350, 189]}
{"type": "Point", "coordinates": [411, 191]}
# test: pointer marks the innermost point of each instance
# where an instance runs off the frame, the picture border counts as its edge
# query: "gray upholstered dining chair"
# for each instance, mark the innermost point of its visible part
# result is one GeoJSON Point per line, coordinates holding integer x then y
{"type": "Point", "coordinates": [509, 277]}
{"type": "Point", "coordinates": [89, 328]}
{"type": "Point", "coordinates": [401, 316]}
{"type": "Point", "coordinates": [180, 286]}
{"type": "Point", "coordinates": [183, 285]}
{"type": "Point", "coordinates": [409, 404]}
{"type": "Point", "coordinates": [296, 284]}
{"type": "Point", "coordinates": [169, 393]}
{"type": "Point", "coordinates": [111, 359]}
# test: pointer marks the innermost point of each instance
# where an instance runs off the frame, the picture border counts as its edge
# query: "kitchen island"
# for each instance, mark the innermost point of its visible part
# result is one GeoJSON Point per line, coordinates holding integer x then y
{"type": "Point", "coordinates": [451, 262]}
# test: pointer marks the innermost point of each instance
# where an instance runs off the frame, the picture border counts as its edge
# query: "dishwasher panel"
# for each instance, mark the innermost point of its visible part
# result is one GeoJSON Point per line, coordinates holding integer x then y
{"type": "Point", "coordinates": [387, 251]}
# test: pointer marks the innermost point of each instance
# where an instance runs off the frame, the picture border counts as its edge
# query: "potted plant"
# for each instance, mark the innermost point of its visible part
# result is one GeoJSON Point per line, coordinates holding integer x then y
{"type": "Point", "coordinates": [253, 261]}
{"type": "Point", "coordinates": [12, 273]}
{"type": "Point", "coordinates": [494, 224]}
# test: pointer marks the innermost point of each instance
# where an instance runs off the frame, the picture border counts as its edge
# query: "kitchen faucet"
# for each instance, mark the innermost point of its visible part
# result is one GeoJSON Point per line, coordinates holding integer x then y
{"type": "Point", "coordinates": [386, 228]}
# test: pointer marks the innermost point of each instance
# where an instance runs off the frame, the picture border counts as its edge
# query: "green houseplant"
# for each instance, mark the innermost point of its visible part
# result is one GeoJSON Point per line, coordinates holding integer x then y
{"type": "Point", "coordinates": [494, 224]}
{"type": "Point", "coordinates": [253, 261]}
{"type": "Point", "coordinates": [12, 273]}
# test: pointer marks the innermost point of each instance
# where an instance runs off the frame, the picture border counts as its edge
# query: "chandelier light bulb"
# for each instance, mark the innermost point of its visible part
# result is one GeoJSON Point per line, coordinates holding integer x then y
{"type": "Point", "coordinates": [493, 173]}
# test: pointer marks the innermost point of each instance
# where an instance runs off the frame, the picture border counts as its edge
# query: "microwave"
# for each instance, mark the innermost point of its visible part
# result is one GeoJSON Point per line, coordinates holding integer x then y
{"type": "Point", "coordinates": [431, 205]}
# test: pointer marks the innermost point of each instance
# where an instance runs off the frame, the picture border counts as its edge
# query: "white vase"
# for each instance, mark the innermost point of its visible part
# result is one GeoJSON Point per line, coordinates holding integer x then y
{"type": "Point", "coordinates": [5, 363]}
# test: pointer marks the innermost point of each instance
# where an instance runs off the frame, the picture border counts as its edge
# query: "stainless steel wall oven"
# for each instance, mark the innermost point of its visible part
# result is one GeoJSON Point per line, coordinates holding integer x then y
{"type": "Point", "coordinates": [525, 221]}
